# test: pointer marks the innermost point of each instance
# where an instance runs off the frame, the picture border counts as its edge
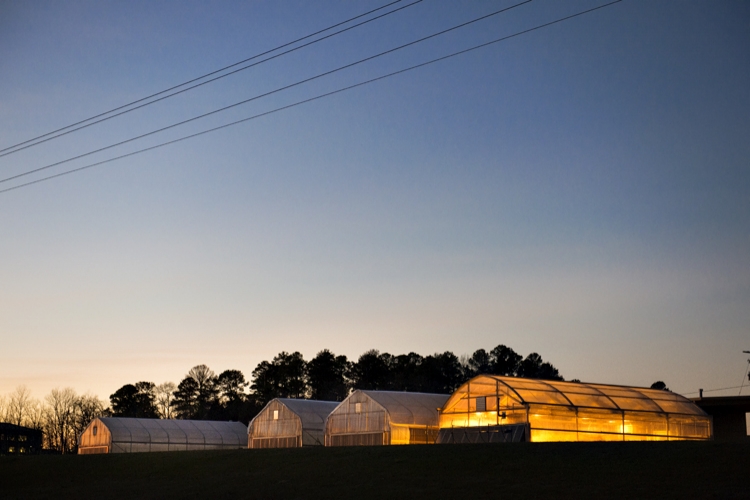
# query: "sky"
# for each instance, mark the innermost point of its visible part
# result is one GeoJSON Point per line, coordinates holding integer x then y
{"type": "Point", "coordinates": [580, 191]}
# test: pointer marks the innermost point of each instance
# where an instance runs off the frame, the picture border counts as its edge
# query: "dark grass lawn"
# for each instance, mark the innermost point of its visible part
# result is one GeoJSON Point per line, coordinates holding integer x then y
{"type": "Point", "coordinates": [519, 470]}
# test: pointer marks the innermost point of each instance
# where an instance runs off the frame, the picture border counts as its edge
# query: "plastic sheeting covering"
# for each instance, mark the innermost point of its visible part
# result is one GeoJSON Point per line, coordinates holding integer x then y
{"type": "Point", "coordinates": [130, 435]}
{"type": "Point", "coordinates": [384, 417]}
{"type": "Point", "coordinates": [285, 423]}
{"type": "Point", "coordinates": [574, 411]}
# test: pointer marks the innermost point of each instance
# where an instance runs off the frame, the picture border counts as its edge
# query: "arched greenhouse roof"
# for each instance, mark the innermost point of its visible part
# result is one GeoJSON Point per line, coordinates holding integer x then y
{"type": "Point", "coordinates": [161, 431]}
{"type": "Point", "coordinates": [312, 413]}
{"type": "Point", "coordinates": [411, 408]}
{"type": "Point", "coordinates": [520, 392]}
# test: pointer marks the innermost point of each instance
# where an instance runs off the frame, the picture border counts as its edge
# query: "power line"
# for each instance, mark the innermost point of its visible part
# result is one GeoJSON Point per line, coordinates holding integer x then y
{"type": "Point", "coordinates": [5, 151]}
{"type": "Point", "coordinates": [705, 390]}
{"type": "Point", "coordinates": [745, 376]}
{"type": "Point", "coordinates": [312, 98]}
{"type": "Point", "coordinates": [260, 96]}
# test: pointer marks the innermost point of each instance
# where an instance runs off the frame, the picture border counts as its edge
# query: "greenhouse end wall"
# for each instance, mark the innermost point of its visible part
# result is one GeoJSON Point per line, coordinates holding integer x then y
{"type": "Point", "coordinates": [571, 411]}
{"type": "Point", "coordinates": [290, 423]}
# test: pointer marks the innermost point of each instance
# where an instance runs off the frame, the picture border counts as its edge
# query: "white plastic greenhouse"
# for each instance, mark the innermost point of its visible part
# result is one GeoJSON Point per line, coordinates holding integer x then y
{"type": "Point", "coordinates": [132, 435]}
{"type": "Point", "coordinates": [385, 417]}
{"type": "Point", "coordinates": [290, 423]}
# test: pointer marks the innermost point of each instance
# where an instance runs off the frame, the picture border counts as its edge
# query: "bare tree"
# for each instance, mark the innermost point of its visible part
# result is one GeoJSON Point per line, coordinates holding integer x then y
{"type": "Point", "coordinates": [36, 415]}
{"type": "Point", "coordinates": [2, 409]}
{"type": "Point", "coordinates": [85, 409]}
{"type": "Point", "coordinates": [60, 413]}
{"type": "Point", "coordinates": [202, 374]}
{"type": "Point", "coordinates": [18, 405]}
{"type": "Point", "coordinates": [164, 399]}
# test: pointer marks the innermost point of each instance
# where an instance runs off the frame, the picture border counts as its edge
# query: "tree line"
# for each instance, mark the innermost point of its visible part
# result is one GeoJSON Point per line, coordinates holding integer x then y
{"type": "Point", "coordinates": [203, 395]}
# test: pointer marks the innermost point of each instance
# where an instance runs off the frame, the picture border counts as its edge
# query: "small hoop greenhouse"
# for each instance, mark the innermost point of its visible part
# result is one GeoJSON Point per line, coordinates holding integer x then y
{"type": "Point", "coordinates": [491, 408]}
{"type": "Point", "coordinates": [290, 423]}
{"type": "Point", "coordinates": [384, 417]}
{"type": "Point", "coordinates": [132, 435]}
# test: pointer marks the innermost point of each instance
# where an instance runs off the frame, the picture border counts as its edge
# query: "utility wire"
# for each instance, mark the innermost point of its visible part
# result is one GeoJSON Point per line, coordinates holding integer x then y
{"type": "Point", "coordinates": [313, 98]}
{"type": "Point", "coordinates": [280, 89]}
{"type": "Point", "coordinates": [5, 151]}
{"type": "Point", "coordinates": [744, 377]}
{"type": "Point", "coordinates": [704, 390]}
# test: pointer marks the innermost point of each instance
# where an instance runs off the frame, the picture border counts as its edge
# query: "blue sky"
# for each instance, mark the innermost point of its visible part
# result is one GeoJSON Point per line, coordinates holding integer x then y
{"type": "Point", "coordinates": [579, 191]}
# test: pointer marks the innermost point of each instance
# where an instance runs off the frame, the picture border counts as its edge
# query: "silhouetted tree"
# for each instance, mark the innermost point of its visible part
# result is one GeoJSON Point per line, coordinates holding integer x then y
{"type": "Point", "coordinates": [196, 396]}
{"type": "Point", "coordinates": [185, 400]}
{"type": "Point", "coordinates": [371, 371]}
{"type": "Point", "coordinates": [284, 377]}
{"type": "Point", "coordinates": [406, 373]}
{"type": "Point", "coordinates": [58, 429]}
{"type": "Point", "coordinates": [164, 399]}
{"type": "Point", "coordinates": [534, 367]}
{"type": "Point", "coordinates": [18, 405]}
{"type": "Point", "coordinates": [659, 385]}
{"type": "Point", "coordinates": [231, 385]}
{"type": "Point", "coordinates": [326, 375]}
{"type": "Point", "coordinates": [480, 362]}
{"type": "Point", "coordinates": [441, 373]}
{"type": "Point", "coordinates": [135, 401]}
{"type": "Point", "coordinates": [504, 361]}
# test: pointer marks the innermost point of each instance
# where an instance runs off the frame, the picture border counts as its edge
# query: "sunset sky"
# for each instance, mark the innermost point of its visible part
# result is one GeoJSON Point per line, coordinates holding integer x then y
{"type": "Point", "coordinates": [581, 191]}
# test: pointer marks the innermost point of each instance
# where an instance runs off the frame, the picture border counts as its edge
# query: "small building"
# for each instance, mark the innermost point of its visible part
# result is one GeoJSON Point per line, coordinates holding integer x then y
{"type": "Point", "coordinates": [384, 417]}
{"type": "Point", "coordinates": [19, 440]}
{"type": "Point", "coordinates": [134, 435]}
{"type": "Point", "coordinates": [729, 414]}
{"type": "Point", "coordinates": [493, 408]}
{"type": "Point", "coordinates": [290, 423]}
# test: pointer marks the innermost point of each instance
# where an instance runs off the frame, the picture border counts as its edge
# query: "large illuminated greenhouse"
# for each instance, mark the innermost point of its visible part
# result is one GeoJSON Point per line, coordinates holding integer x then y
{"type": "Point", "coordinates": [368, 418]}
{"type": "Point", "coordinates": [131, 435]}
{"type": "Point", "coordinates": [491, 408]}
{"type": "Point", "coordinates": [290, 423]}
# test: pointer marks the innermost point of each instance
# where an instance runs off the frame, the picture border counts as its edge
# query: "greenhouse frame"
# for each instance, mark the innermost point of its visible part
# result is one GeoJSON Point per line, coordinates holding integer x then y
{"type": "Point", "coordinates": [367, 418]}
{"type": "Point", "coordinates": [133, 435]}
{"type": "Point", "coordinates": [290, 423]}
{"type": "Point", "coordinates": [491, 407]}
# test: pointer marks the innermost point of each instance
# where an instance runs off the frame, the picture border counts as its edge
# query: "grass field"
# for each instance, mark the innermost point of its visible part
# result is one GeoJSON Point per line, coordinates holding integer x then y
{"type": "Point", "coordinates": [518, 470]}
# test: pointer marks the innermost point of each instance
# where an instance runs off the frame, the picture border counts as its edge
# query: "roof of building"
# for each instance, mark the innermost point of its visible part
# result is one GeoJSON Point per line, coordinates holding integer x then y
{"type": "Point", "coordinates": [413, 408]}
{"type": "Point", "coordinates": [312, 413]}
{"type": "Point", "coordinates": [523, 391]}
{"type": "Point", "coordinates": [739, 403]}
{"type": "Point", "coordinates": [154, 430]}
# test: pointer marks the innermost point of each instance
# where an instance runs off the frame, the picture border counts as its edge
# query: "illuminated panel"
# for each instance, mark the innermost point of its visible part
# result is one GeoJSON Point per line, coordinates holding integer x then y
{"type": "Point", "coordinates": [552, 418]}
{"type": "Point", "coordinates": [590, 420]}
{"type": "Point", "coordinates": [591, 400]}
{"type": "Point", "coordinates": [642, 404]}
{"type": "Point", "coordinates": [597, 436]}
{"type": "Point", "coordinates": [679, 407]}
{"type": "Point", "coordinates": [543, 435]}
{"type": "Point", "coordinates": [646, 424]}
{"type": "Point", "coordinates": [541, 396]}
{"type": "Point", "coordinates": [689, 427]}
{"type": "Point", "coordinates": [399, 434]}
